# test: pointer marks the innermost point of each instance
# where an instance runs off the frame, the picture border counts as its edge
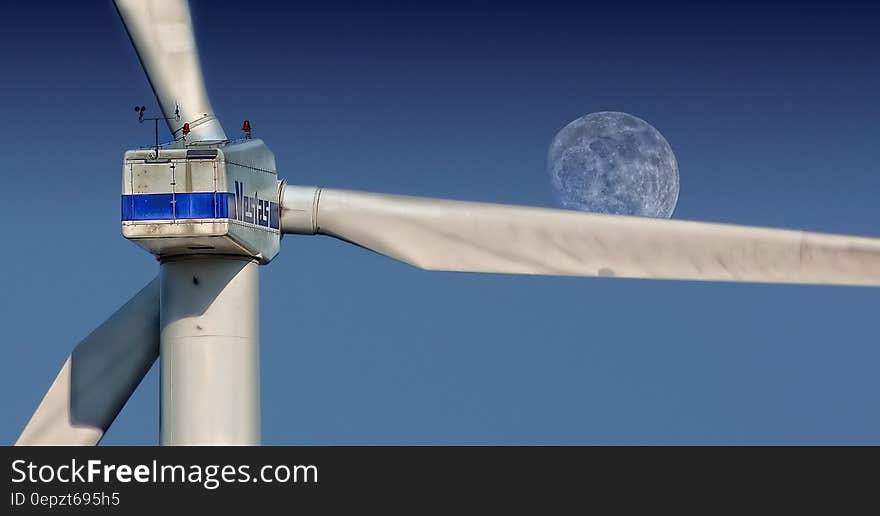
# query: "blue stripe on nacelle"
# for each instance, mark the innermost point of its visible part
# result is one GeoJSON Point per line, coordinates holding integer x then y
{"type": "Point", "coordinates": [198, 205]}
{"type": "Point", "coordinates": [167, 206]}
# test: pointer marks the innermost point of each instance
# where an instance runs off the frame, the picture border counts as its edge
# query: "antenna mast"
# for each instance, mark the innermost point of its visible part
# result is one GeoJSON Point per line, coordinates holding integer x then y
{"type": "Point", "coordinates": [140, 111]}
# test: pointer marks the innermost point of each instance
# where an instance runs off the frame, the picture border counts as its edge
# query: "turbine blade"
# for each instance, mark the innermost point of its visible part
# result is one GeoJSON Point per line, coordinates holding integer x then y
{"type": "Point", "coordinates": [99, 376]}
{"type": "Point", "coordinates": [461, 236]}
{"type": "Point", "coordinates": [162, 34]}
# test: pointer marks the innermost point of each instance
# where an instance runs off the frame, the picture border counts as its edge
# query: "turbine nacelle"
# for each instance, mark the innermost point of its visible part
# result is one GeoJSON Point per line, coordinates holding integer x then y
{"type": "Point", "coordinates": [203, 199]}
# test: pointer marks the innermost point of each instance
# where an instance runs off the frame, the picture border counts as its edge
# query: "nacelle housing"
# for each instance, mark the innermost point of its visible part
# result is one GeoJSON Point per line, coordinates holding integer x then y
{"type": "Point", "coordinates": [203, 199]}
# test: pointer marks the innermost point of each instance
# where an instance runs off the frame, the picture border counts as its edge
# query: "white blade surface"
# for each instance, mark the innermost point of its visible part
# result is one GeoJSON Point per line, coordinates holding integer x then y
{"type": "Point", "coordinates": [446, 235]}
{"type": "Point", "coordinates": [162, 34]}
{"type": "Point", "coordinates": [99, 376]}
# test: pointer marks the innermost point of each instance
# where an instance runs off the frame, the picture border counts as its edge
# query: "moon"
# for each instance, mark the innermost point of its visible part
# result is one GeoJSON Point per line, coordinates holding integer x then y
{"type": "Point", "coordinates": [611, 162]}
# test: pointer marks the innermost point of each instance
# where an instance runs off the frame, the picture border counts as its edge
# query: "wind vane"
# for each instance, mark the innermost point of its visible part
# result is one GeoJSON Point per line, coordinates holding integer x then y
{"type": "Point", "coordinates": [140, 110]}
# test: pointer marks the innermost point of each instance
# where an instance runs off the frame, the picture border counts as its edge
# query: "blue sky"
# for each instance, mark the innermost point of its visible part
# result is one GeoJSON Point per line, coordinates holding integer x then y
{"type": "Point", "coordinates": [771, 114]}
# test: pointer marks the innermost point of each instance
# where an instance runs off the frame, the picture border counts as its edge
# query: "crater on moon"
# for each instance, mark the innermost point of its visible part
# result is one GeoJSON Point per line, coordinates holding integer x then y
{"type": "Point", "coordinates": [611, 162]}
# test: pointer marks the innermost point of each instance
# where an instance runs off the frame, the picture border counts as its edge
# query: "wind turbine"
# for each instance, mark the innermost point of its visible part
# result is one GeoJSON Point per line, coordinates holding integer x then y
{"type": "Point", "coordinates": [212, 210]}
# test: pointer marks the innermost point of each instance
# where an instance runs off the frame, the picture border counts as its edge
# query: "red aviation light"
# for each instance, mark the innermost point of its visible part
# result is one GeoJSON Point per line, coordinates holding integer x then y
{"type": "Point", "coordinates": [246, 127]}
{"type": "Point", "coordinates": [185, 129]}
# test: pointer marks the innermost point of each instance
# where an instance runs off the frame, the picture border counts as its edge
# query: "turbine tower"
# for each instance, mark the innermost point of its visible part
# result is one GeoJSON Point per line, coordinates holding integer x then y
{"type": "Point", "coordinates": [213, 210]}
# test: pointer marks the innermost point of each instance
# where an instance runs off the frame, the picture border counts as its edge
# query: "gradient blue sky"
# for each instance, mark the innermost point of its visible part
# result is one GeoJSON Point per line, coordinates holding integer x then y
{"type": "Point", "coordinates": [772, 113]}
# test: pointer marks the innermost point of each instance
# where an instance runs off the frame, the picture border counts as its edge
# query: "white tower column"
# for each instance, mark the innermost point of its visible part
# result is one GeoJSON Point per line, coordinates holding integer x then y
{"type": "Point", "coordinates": [209, 320]}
